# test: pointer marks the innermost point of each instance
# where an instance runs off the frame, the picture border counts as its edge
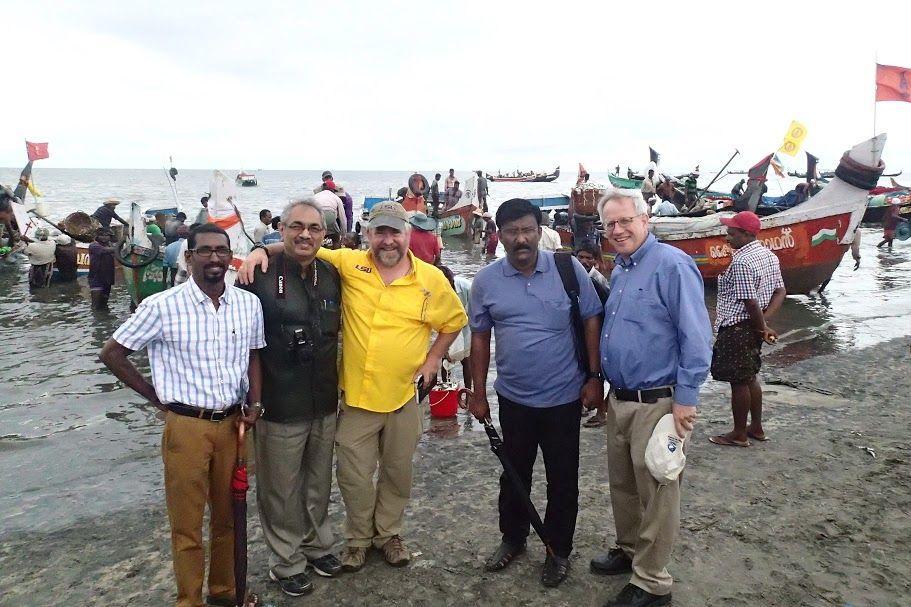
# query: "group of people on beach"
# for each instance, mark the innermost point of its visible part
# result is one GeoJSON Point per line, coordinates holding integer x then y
{"type": "Point", "coordinates": [266, 353]}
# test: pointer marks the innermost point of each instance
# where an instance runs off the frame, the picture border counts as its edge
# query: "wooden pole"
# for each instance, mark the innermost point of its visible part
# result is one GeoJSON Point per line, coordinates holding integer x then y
{"type": "Point", "coordinates": [731, 159]}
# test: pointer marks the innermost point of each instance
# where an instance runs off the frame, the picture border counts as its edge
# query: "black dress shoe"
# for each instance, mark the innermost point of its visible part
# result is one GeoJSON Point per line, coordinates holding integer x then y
{"type": "Point", "coordinates": [633, 596]}
{"type": "Point", "coordinates": [612, 563]}
{"type": "Point", "coordinates": [504, 555]}
{"type": "Point", "coordinates": [555, 570]}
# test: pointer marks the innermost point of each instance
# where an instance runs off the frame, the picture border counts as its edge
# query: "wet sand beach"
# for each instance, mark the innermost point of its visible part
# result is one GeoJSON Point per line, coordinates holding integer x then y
{"type": "Point", "coordinates": [811, 517]}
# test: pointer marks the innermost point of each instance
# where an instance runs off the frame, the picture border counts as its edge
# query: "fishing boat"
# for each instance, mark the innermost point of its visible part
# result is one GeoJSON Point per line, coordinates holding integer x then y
{"type": "Point", "coordinates": [635, 183]}
{"type": "Point", "coordinates": [529, 177]}
{"type": "Point", "coordinates": [879, 200]}
{"type": "Point", "coordinates": [455, 222]}
{"type": "Point", "coordinates": [550, 203]}
{"type": "Point", "coordinates": [246, 180]}
{"type": "Point", "coordinates": [831, 174]}
{"type": "Point", "coordinates": [625, 183]}
{"type": "Point", "coordinates": [143, 264]}
{"type": "Point", "coordinates": [809, 239]}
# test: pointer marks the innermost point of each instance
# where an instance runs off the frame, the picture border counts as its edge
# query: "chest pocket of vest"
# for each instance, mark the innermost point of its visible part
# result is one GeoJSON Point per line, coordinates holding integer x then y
{"type": "Point", "coordinates": [330, 317]}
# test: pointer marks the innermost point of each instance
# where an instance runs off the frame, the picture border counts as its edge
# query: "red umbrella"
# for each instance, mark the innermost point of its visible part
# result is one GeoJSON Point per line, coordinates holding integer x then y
{"type": "Point", "coordinates": [239, 486]}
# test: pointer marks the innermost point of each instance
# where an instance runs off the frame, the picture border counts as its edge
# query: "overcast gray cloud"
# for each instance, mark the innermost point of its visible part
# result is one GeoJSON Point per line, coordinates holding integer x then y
{"type": "Point", "coordinates": [471, 84]}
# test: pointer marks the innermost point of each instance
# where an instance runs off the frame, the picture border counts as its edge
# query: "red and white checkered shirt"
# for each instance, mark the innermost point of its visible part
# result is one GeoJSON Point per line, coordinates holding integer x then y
{"type": "Point", "coordinates": [754, 273]}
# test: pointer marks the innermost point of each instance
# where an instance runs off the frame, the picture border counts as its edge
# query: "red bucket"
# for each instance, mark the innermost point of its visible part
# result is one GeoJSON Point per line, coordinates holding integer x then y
{"type": "Point", "coordinates": [444, 403]}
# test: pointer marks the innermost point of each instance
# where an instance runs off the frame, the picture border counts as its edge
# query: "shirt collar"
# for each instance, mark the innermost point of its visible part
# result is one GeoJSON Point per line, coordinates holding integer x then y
{"type": "Point", "coordinates": [746, 247]}
{"type": "Point", "coordinates": [639, 253]}
{"type": "Point", "coordinates": [197, 295]}
{"type": "Point", "coordinates": [541, 265]}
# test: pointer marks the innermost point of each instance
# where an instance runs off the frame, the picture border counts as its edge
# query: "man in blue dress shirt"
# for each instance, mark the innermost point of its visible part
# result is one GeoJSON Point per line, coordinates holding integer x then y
{"type": "Point", "coordinates": [541, 382]}
{"type": "Point", "coordinates": [655, 351]}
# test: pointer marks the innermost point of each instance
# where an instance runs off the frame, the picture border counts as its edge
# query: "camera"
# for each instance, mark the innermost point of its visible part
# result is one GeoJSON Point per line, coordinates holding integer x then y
{"type": "Point", "coordinates": [301, 346]}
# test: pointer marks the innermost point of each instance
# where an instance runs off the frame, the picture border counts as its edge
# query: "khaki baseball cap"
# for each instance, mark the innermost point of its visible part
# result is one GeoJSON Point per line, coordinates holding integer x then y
{"type": "Point", "coordinates": [390, 214]}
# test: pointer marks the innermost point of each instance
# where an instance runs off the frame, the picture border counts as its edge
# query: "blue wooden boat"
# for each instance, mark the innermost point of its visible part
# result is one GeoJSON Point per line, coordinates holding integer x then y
{"type": "Point", "coordinates": [550, 203]}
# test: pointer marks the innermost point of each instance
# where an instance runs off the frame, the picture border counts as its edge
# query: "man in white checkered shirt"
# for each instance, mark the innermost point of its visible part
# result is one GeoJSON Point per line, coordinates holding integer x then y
{"type": "Point", "coordinates": [202, 339]}
{"type": "Point", "coordinates": [749, 292]}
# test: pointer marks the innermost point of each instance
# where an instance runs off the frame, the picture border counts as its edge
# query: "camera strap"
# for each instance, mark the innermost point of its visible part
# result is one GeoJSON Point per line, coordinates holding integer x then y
{"type": "Point", "coordinates": [281, 286]}
{"type": "Point", "coordinates": [281, 279]}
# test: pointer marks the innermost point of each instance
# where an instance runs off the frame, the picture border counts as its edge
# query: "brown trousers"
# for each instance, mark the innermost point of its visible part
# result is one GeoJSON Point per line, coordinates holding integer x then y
{"type": "Point", "coordinates": [199, 460]}
{"type": "Point", "coordinates": [374, 513]}
{"type": "Point", "coordinates": [646, 514]}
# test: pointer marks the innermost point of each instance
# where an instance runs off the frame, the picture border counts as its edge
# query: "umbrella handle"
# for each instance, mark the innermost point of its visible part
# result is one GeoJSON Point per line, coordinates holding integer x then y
{"type": "Point", "coordinates": [241, 436]}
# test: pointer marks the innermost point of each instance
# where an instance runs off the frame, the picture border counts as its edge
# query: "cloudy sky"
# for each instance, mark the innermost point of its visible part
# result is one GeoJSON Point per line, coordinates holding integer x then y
{"type": "Point", "coordinates": [400, 85]}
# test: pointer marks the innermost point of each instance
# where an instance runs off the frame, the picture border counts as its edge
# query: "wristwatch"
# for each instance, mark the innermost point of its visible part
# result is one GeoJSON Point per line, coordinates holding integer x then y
{"type": "Point", "coordinates": [595, 375]}
{"type": "Point", "coordinates": [258, 408]}
{"type": "Point", "coordinates": [259, 245]}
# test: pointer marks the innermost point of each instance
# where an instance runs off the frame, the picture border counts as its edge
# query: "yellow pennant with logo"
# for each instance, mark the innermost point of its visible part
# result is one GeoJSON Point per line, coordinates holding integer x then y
{"type": "Point", "coordinates": [793, 139]}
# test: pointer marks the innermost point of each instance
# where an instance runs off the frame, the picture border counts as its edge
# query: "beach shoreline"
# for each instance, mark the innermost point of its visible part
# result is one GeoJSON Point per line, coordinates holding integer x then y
{"type": "Point", "coordinates": [809, 518]}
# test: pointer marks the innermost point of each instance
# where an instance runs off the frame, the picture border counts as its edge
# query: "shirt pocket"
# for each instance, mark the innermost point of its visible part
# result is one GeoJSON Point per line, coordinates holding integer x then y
{"type": "Point", "coordinates": [330, 317]}
{"type": "Point", "coordinates": [555, 313]}
{"type": "Point", "coordinates": [648, 311]}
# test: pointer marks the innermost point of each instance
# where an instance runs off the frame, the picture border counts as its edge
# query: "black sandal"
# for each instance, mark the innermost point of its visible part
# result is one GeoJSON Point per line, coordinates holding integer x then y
{"type": "Point", "coordinates": [503, 556]}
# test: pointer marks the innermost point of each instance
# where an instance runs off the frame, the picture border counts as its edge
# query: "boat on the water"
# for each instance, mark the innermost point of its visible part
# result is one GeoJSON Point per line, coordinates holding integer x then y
{"type": "Point", "coordinates": [809, 239]}
{"type": "Point", "coordinates": [550, 203]}
{"type": "Point", "coordinates": [526, 177]}
{"type": "Point", "coordinates": [625, 183]}
{"type": "Point", "coordinates": [635, 183]}
{"type": "Point", "coordinates": [455, 222]}
{"type": "Point", "coordinates": [879, 200]}
{"type": "Point", "coordinates": [246, 180]}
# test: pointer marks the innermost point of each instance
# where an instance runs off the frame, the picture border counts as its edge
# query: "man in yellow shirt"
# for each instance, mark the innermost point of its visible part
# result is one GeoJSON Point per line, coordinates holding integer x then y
{"type": "Point", "coordinates": [391, 301]}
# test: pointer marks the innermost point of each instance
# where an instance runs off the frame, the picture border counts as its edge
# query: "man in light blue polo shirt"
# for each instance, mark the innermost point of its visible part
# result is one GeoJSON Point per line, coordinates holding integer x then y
{"type": "Point", "coordinates": [541, 383]}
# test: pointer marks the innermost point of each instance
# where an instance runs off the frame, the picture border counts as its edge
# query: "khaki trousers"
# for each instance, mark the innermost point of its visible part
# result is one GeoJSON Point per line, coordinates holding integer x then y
{"type": "Point", "coordinates": [364, 439]}
{"type": "Point", "coordinates": [199, 460]}
{"type": "Point", "coordinates": [647, 516]}
{"type": "Point", "coordinates": [294, 479]}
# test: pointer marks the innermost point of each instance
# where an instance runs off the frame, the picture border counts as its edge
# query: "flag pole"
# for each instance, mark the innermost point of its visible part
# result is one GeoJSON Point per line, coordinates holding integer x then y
{"type": "Point", "coordinates": [875, 70]}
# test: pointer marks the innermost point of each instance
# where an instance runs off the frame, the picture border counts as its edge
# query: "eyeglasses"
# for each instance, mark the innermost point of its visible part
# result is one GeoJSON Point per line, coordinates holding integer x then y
{"type": "Point", "coordinates": [222, 252]}
{"type": "Point", "coordinates": [515, 232]}
{"type": "Point", "coordinates": [297, 228]}
{"type": "Point", "coordinates": [623, 222]}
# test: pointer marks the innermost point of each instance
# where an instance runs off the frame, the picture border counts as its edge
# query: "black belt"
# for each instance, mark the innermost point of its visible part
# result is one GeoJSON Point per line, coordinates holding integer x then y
{"type": "Point", "coordinates": [643, 396]}
{"type": "Point", "coordinates": [201, 413]}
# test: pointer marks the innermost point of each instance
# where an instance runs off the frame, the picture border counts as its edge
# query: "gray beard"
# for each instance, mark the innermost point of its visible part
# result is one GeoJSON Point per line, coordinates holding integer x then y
{"type": "Point", "coordinates": [389, 259]}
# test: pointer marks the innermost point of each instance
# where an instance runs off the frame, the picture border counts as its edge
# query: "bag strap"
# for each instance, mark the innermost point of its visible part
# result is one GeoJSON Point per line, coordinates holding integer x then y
{"type": "Point", "coordinates": [564, 263]}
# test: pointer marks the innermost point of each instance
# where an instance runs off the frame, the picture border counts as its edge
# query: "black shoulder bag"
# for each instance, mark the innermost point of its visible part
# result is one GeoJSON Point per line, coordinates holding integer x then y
{"type": "Point", "coordinates": [564, 263]}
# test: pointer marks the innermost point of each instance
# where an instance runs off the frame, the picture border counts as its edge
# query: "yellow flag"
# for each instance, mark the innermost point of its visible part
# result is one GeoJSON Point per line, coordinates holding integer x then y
{"type": "Point", "coordinates": [793, 139]}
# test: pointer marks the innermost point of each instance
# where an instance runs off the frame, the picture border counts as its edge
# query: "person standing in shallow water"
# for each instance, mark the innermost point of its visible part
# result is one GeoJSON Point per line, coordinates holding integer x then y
{"type": "Point", "coordinates": [202, 339]}
{"type": "Point", "coordinates": [750, 291]}
{"type": "Point", "coordinates": [522, 298]}
{"type": "Point", "coordinates": [101, 269]}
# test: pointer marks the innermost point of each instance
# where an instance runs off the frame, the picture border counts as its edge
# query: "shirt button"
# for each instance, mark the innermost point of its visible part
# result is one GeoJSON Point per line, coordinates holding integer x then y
{"type": "Point", "coordinates": [613, 313]}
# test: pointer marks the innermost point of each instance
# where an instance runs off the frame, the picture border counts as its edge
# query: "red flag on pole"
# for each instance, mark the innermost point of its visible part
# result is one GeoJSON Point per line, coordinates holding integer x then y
{"type": "Point", "coordinates": [36, 151]}
{"type": "Point", "coordinates": [893, 83]}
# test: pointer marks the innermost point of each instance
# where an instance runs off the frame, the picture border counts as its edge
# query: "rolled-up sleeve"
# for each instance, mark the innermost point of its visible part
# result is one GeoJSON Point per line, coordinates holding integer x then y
{"type": "Point", "coordinates": [258, 340]}
{"type": "Point", "coordinates": [446, 313]}
{"type": "Point", "coordinates": [694, 331]}
{"type": "Point", "coordinates": [141, 328]}
{"type": "Point", "coordinates": [479, 318]}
